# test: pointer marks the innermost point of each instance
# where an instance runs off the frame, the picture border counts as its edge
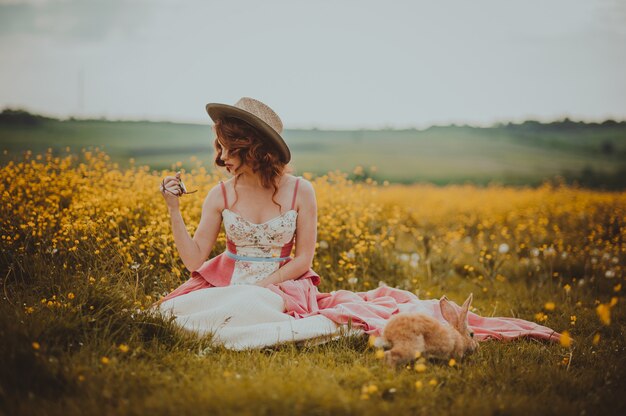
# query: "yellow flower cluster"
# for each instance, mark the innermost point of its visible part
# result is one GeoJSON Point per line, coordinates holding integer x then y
{"type": "Point", "coordinates": [604, 311]}
{"type": "Point", "coordinates": [367, 390]}
{"type": "Point", "coordinates": [81, 212]}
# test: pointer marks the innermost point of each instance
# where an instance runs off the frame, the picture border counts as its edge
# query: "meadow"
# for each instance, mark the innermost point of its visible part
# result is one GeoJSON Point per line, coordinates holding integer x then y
{"type": "Point", "coordinates": [87, 247]}
{"type": "Point", "coordinates": [513, 154]}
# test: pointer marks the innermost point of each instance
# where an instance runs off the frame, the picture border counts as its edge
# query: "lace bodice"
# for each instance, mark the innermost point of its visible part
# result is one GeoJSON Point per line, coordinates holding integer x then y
{"type": "Point", "coordinates": [260, 240]}
{"type": "Point", "coordinates": [257, 248]}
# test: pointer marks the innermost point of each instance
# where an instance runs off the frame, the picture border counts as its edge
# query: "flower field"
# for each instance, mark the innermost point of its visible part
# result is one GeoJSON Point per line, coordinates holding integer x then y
{"type": "Point", "coordinates": [86, 247]}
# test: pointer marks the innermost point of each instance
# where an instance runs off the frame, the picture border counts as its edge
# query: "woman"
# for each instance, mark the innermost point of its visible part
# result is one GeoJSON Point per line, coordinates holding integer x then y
{"type": "Point", "coordinates": [254, 294]}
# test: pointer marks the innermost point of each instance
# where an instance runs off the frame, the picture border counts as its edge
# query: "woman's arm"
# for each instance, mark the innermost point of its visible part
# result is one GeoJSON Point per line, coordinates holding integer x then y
{"type": "Point", "coordinates": [194, 251]}
{"type": "Point", "coordinates": [306, 235]}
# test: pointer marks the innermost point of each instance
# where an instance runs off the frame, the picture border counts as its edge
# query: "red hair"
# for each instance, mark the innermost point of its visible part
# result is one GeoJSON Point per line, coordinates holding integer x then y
{"type": "Point", "coordinates": [246, 142]}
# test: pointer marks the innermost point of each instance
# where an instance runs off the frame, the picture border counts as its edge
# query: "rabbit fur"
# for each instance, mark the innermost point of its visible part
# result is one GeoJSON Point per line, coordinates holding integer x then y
{"type": "Point", "coordinates": [410, 333]}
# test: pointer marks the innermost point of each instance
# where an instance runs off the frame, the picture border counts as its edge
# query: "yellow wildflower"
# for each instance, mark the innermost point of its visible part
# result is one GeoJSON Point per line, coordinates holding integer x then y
{"type": "Point", "coordinates": [419, 385]}
{"type": "Point", "coordinates": [70, 296]}
{"type": "Point", "coordinates": [566, 340]}
{"type": "Point", "coordinates": [367, 390]}
{"type": "Point", "coordinates": [549, 306]}
{"type": "Point", "coordinates": [420, 367]}
{"type": "Point", "coordinates": [604, 313]}
{"type": "Point", "coordinates": [380, 354]}
{"type": "Point", "coordinates": [613, 301]}
{"type": "Point", "coordinates": [36, 345]}
{"type": "Point", "coordinates": [596, 339]}
{"type": "Point", "coordinates": [123, 348]}
{"type": "Point", "coordinates": [433, 382]}
{"type": "Point", "coordinates": [617, 287]}
{"type": "Point", "coordinates": [371, 340]}
{"type": "Point", "coordinates": [452, 362]}
{"type": "Point", "coordinates": [105, 360]}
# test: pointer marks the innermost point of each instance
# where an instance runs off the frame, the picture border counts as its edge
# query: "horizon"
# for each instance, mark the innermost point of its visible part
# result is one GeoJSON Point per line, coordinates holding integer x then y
{"type": "Point", "coordinates": [373, 128]}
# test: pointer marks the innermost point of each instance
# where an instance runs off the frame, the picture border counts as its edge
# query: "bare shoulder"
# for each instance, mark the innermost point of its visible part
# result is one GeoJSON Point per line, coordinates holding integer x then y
{"type": "Point", "coordinates": [214, 199]}
{"type": "Point", "coordinates": [306, 186]}
{"type": "Point", "coordinates": [228, 183]}
{"type": "Point", "coordinates": [306, 195]}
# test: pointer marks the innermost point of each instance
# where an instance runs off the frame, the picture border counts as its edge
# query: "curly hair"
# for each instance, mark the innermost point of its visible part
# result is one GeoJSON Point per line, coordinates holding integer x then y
{"type": "Point", "coordinates": [246, 142]}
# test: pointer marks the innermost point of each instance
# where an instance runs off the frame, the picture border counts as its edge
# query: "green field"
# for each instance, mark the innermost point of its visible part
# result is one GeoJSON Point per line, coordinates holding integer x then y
{"type": "Point", "coordinates": [86, 248]}
{"type": "Point", "coordinates": [524, 154]}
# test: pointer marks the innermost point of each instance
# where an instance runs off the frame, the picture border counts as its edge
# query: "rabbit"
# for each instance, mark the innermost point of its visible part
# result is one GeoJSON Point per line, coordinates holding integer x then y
{"type": "Point", "coordinates": [409, 333]}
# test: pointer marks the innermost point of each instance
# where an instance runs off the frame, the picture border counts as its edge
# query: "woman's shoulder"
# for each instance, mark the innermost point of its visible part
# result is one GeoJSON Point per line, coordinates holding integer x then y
{"type": "Point", "coordinates": [217, 188]}
{"type": "Point", "coordinates": [227, 181]}
{"type": "Point", "coordinates": [304, 184]}
{"type": "Point", "coordinates": [305, 193]}
{"type": "Point", "coordinates": [215, 198]}
{"type": "Point", "coordinates": [301, 179]}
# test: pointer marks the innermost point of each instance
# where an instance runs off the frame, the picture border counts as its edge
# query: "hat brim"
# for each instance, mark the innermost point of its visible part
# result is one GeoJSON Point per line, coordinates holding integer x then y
{"type": "Point", "coordinates": [218, 111]}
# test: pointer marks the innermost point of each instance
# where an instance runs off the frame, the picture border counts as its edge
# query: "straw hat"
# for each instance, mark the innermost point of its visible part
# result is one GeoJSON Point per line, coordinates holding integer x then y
{"type": "Point", "coordinates": [257, 114]}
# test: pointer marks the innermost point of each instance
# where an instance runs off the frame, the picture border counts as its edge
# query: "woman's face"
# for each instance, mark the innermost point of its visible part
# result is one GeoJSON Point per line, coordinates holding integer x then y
{"type": "Point", "coordinates": [232, 161]}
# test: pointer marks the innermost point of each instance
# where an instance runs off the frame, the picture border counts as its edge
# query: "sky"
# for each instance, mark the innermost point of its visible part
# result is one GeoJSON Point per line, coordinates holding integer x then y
{"type": "Point", "coordinates": [324, 63]}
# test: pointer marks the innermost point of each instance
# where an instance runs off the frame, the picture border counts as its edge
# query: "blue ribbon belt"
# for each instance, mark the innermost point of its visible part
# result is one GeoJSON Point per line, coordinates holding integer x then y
{"type": "Point", "coordinates": [249, 258]}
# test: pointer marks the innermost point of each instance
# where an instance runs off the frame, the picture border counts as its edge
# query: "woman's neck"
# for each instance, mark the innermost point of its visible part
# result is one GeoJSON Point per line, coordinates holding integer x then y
{"type": "Point", "coordinates": [252, 180]}
{"type": "Point", "coordinates": [249, 179]}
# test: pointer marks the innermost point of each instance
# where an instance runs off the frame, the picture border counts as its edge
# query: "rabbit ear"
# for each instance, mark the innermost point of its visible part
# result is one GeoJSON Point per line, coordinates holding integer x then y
{"type": "Point", "coordinates": [466, 304]}
{"type": "Point", "coordinates": [448, 312]}
{"type": "Point", "coordinates": [465, 310]}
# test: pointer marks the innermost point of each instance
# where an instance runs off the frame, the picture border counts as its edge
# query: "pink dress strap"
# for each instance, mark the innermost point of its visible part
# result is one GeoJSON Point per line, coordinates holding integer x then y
{"type": "Point", "coordinates": [293, 205]}
{"type": "Point", "coordinates": [231, 246]}
{"type": "Point", "coordinates": [224, 194]}
{"type": "Point", "coordinates": [295, 192]}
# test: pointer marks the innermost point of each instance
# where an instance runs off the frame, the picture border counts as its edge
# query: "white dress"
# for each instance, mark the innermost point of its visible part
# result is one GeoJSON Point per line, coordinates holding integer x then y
{"type": "Point", "coordinates": [242, 315]}
{"type": "Point", "coordinates": [248, 316]}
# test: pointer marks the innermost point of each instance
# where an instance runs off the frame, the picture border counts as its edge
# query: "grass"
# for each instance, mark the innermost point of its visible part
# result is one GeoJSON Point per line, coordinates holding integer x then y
{"type": "Point", "coordinates": [166, 372]}
{"type": "Point", "coordinates": [87, 247]}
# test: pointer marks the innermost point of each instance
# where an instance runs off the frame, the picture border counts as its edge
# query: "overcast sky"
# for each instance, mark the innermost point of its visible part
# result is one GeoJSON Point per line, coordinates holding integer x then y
{"type": "Point", "coordinates": [322, 63]}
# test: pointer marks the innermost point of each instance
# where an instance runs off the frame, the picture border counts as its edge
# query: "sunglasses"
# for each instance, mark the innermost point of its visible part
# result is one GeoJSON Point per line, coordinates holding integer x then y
{"type": "Point", "coordinates": [181, 185]}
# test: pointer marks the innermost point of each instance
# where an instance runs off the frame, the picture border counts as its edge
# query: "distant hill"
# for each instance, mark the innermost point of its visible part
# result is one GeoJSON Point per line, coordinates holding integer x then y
{"type": "Point", "coordinates": [594, 154]}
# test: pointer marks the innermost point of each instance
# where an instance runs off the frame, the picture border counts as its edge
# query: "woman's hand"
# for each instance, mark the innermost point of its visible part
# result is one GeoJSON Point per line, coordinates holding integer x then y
{"type": "Point", "coordinates": [171, 190]}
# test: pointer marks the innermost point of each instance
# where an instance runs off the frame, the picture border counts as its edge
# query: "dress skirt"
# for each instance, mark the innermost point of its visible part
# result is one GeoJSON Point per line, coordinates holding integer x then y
{"type": "Point", "coordinates": [247, 316]}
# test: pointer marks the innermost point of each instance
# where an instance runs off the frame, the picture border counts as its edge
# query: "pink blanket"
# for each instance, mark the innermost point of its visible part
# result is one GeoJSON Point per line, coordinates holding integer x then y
{"type": "Point", "coordinates": [370, 310]}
